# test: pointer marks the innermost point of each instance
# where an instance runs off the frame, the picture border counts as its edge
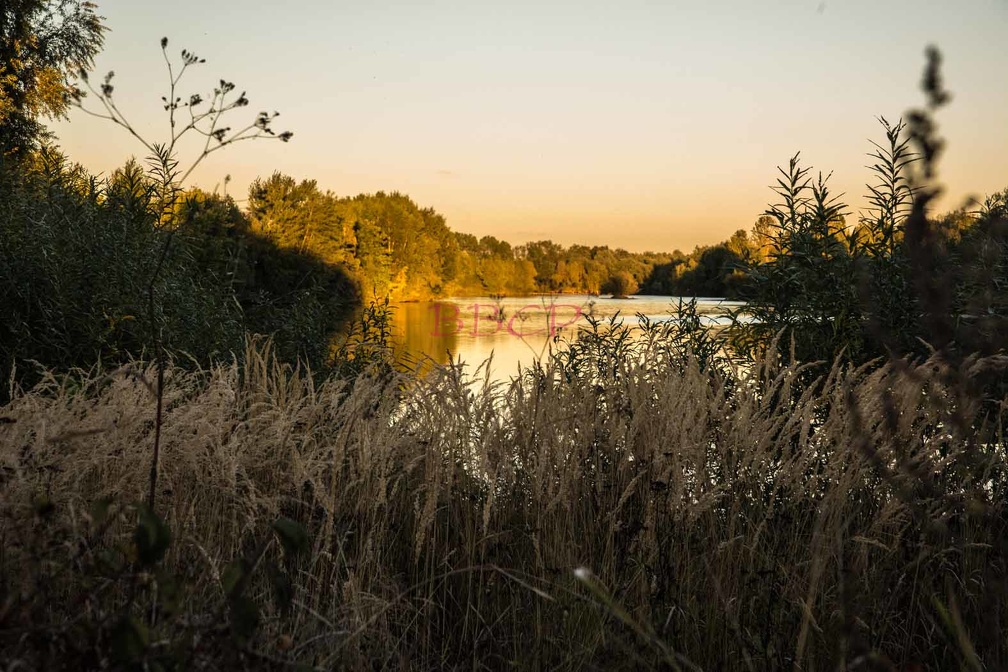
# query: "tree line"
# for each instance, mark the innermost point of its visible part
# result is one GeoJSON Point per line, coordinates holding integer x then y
{"type": "Point", "coordinates": [396, 248]}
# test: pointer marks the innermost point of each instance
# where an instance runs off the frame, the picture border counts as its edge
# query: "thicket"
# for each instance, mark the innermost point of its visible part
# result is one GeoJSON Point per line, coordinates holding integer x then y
{"type": "Point", "coordinates": [78, 259]}
{"type": "Point", "coordinates": [901, 282]}
{"type": "Point", "coordinates": [95, 271]}
{"type": "Point", "coordinates": [870, 291]}
{"type": "Point", "coordinates": [396, 248]}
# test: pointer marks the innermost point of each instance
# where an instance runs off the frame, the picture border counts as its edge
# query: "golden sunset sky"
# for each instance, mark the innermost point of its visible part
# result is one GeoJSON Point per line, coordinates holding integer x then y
{"type": "Point", "coordinates": [644, 125]}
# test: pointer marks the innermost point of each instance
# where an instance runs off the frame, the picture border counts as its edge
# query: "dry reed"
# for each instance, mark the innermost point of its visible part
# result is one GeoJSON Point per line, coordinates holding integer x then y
{"type": "Point", "coordinates": [854, 524]}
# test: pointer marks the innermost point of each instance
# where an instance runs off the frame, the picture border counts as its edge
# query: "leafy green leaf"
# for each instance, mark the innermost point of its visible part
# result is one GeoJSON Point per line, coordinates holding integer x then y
{"type": "Point", "coordinates": [99, 511]}
{"type": "Point", "coordinates": [232, 576]}
{"type": "Point", "coordinates": [244, 617]}
{"type": "Point", "coordinates": [152, 537]}
{"type": "Point", "coordinates": [129, 639]}
{"type": "Point", "coordinates": [292, 535]}
{"type": "Point", "coordinates": [169, 593]}
{"type": "Point", "coordinates": [283, 587]}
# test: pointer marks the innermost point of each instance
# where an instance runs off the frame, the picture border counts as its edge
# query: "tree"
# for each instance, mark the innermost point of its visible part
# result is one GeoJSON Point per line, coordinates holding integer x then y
{"type": "Point", "coordinates": [373, 255]}
{"type": "Point", "coordinates": [620, 284]}
{"type": "Point", "coordinates": [742, 247]}
{"type": "Point", "coordinates": [282, 209]}
{"type": "Point", "coordinates": [762, 237]}
{"type": "Point", "coordinates": [544, 255]}
{"type": "Point", "coordinates": [492, 247]}
{"type": "Point", "coordinates": [44, 46]}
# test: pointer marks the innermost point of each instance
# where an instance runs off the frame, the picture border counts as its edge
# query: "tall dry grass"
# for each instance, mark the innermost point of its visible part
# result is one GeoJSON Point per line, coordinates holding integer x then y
{"type": "Point", "coordinates": [622, 509]}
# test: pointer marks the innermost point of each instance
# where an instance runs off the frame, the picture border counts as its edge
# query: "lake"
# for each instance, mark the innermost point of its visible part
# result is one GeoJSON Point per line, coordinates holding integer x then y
{"type": "Point", "coordinates": [519, 330]}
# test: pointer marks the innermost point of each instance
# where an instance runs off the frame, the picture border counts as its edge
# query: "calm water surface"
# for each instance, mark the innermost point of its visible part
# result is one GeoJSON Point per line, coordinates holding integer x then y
{"type": "Point", "coordinates": [518, 330]}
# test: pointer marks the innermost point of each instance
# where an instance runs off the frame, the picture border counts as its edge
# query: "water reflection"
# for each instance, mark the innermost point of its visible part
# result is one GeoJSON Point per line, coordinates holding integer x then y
{"type": "Point", "coordinates": [519, 330]}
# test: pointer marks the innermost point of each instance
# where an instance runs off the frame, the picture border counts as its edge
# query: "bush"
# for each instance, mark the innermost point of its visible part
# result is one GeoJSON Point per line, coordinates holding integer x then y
{"type": "Point", "coordinates": [76, 262]}
{"type": "Point", "coordinates": [902, 283]}
{"type": "Point", "coordinates": [301, 302]}
{"type": "Point", "coordinates": [78, 286]}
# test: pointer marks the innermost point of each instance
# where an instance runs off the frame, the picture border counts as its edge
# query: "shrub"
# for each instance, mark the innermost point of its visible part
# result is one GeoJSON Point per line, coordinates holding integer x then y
{"type": "Point", "coordinates": [75, 267]}
{"type": "Point", "coordinates": [78, 258]}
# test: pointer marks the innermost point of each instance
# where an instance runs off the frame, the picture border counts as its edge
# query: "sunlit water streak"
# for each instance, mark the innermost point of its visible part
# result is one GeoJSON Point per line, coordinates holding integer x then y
{"type": "Point", "coordinates": [517, 331]}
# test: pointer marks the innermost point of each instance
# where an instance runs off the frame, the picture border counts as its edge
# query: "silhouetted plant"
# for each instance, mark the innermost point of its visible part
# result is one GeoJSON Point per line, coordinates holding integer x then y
{"type": "Point", "coordinates": [889, 304]}
{"type": "Point", "coordinates": [891, 286]}
{"type": "Point", "coordinates": [165, 169]}
{"type": "Point", "coordinates": [367, 348]}
{"type": "Point", "coordinates": [193, 113]}
{"type": "Point", "coordinates": [891, 195]}
{"type": "Point", "coordinates": [804, 289]}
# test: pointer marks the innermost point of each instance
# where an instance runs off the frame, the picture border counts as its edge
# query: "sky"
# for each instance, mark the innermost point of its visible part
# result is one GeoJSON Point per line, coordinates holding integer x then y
{"type": "Point", "coordinates": [642, 125]}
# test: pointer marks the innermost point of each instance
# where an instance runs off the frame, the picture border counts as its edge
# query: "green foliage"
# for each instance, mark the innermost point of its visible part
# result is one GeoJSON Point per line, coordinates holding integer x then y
{"type": "Point", "coordinates": [395, 248]}
{"type": "Point", "coordinates": [77, 256]}
{"type": "Point", "coordinates": [292, 536]}
{"type": "Point", "coordinates": [603, 351]}
{"type": "Point", "coordinates": [291, 294]}
{"type": "Point", "coordinates": [298, 300]}
{"type": "Point", "coordinates": [74, 268]}
{"type": "Point", "coordinates": [902, 282]}
{"type": "Point", "coordinates": [44, 45]}
{"type": "Point", "coordinates": [889, 304]}
{"type": "Point", "coordinates": [152, 538]}
{"type": "Point", "coordinates": [390, 245]}
{"type": "Point", "coordinates": [619, 284]}
{"type": "Point", "coordinates": [714, 271]}
{"type": "Point", "coordinates": [298, 216]}
{"type": "Point", "coordinates": [982, 293]}
{"type": "Point", "coordinates": [805, 288]}
{"type": "Point", "coordinates": [367, 348]}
